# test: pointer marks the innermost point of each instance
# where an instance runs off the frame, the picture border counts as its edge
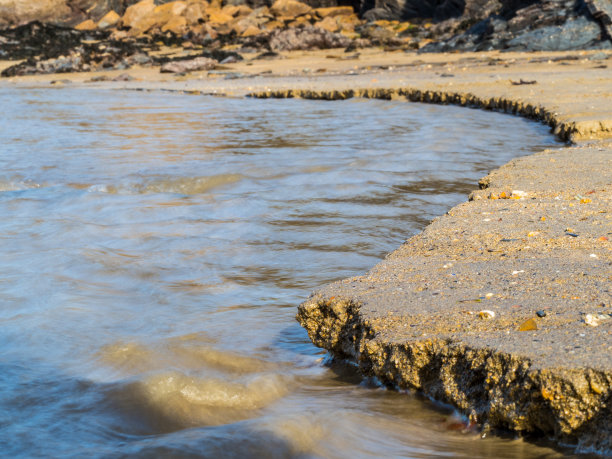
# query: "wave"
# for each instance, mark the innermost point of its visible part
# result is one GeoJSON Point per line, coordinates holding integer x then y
{"type": "Point", "coordinates": [180, 185]}
{"type": "Point", "coordinates": [173, 400]}
{"type": "Point", "coordinates": [17, 185]}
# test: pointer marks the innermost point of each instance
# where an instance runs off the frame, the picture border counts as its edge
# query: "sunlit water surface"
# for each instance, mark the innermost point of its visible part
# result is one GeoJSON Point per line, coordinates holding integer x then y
{"type": "Point", "coordinates": [153, 250]}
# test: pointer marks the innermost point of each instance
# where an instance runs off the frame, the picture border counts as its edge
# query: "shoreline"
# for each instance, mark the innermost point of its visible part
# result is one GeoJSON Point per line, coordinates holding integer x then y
{"type": "Point", "coordinates": [488, 309]}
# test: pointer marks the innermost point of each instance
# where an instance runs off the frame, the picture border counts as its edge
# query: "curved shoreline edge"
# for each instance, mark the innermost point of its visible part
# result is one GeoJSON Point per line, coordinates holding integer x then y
{"type": "Point", "coordinates": [382, 322]}
{"type": "Point", "coordinates": [569, 131]}
{"type": "Point", "coordinates": [413, 320]}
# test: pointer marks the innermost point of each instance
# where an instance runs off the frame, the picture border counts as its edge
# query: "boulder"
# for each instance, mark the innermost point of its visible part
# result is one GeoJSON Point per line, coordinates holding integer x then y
{"type": "Point", "coordinates": [289, 9]}
{"type": "Point", "coordinates": [334, 11]}
{"type": "Point", "coordinates": [579, 33]}
{"type": "Point", "coordinates": [18, 12]}
{"type": "Point", "coordinates": [328, 23]}
{"type": "Point", "coordinates": [306, 38]}
{"type": "Point", "coordinates": [348, 23]}
{"type": "Point", "coordinates": [87, 25]}
{"type": "Point", "coordinates": [192, 65]}
{"type": "Point", "coordinates": [300, 21]}
{"type": "Point", "coordinates": [110, 19]}
{"type": "Point", "coordinates": [218, 16]}
{"type": "Point", "coordinates": [136, 14]}
{"type": "Point", "coordinates": [145, 17]}
{"type": "Point", "coordinates": [250, 31]}
{"type": "Point", "coordinates": [195, 12]}
{"type": "Point", "coordinates": [177, 25]}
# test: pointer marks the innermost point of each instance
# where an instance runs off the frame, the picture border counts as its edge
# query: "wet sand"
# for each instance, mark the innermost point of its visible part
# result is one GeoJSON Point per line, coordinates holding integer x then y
{"type": "Point", "coordinates": [502, 307]}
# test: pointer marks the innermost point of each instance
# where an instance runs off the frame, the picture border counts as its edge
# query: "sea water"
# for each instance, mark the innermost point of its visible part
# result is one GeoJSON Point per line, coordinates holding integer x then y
{"type": "Point", "coordinates": [154, 248]}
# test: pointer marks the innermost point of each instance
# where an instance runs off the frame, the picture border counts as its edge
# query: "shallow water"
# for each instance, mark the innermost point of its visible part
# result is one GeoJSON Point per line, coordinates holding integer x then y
{"type": "Point", "coordinates": [154, 247]}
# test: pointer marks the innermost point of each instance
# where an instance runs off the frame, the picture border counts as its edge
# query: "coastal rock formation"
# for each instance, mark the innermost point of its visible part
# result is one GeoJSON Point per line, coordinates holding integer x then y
{"type": "Point", "coordinates": [551, 25]}
{"type": "Point", "coordinates": [57, 12]}
{"type": "Point", "coordinates": [285, 25]}
{"type": "Point", "coordinates": [191, 65]}
{"type": "Point", "coordinates": [305, 38]}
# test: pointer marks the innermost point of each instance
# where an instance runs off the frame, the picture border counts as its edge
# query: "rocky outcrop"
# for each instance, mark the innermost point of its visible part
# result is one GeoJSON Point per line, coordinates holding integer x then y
{"type": "Point", "coordinates": [190, 65]}
{"type": "Point", "coordinates": [286, 25]}
{"type": "Point", "coordinates": [306, 38]}
{"type": "Point", "coordinates": [58, 12]}
{"type": "Point", "coordinates": [548, 25]}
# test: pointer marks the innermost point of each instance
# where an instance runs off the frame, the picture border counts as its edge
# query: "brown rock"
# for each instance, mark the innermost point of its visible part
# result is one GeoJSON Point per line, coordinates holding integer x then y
{"type": "Point", "coordinates": [176, 25]}
{"type": "Point", "coordinates": [136, 13]}
{"type": "Point", "coordinates": [147, 19]}
{"type": "Point", "coordinates": [348, 23]}
{"type": "Point", "coordinates": [110, 19]}
{"type": "Point", "coordinates": [289, 9]}
{"type": "Point", "coordinates": [192, 65]}
{"type": "Point", "coordinates": [218, 16]}
{"type": "Point", "coordinates": [237, 10]}
{"type": "Point", "coordinates": [299, 22]}
{"type": "Point", "coordinates": [250, 31]}
{"type": "Point", "coordinates": [334, 11]}
{"type": "Point", "coordinates": [14, 13]}
{"type": "Point", "coordinates": [273, 25]}
{"type": "Point", "coordinates": [328, 23]}
{"type": "Point", "coordinates": [263, 12]}
{"type": "Point", "coordinates": [169, 10]}
{"type": "Point", "coordinates": [195, 12]}
{"type": "Point", "coordinates": [86, 25]}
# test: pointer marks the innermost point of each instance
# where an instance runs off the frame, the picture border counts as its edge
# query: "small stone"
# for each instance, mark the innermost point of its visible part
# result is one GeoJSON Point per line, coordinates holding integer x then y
{"type": "Point", "coordinates": [541, 313]}
{"type": "Point", "coordinates": [86, 25]}
{"type": "Point", "coordinates": [486, 314]}
{"type": "Point", "coordinates": [594, 319]}
{"type": "Point", "coordinates": [528, 325]}
{"type": "Point", "coordinates": [110, 19]}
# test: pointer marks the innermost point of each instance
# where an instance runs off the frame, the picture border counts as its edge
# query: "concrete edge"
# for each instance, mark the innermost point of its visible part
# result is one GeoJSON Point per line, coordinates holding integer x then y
{"type": "Point", "coordinates": [492, 388]}
{"type": "Point", "coordinates": [495, 389]}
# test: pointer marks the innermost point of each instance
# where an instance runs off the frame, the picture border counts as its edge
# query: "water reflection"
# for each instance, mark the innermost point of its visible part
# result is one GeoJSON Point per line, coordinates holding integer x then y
{"type": "Point", "coordinates": [154, 248]}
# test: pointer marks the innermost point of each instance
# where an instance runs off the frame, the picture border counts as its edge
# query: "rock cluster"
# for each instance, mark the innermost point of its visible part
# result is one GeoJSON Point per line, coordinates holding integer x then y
{"type": "Point", "coordinates": [546, 25]}
{"type": "Point", "coordinates": [135, 28]}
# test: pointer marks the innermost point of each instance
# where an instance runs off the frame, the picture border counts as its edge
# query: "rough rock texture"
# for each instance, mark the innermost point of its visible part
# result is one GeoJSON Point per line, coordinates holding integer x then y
{"type": "Point", "coordinates": [58, 12]}
{"type": "Point", "coordinates": [445, 313]}
{"type": "Point", "coordinates": [52, 49]}
{"type": "Point", "coordinates": [557, 25]}
{"type": "Point", "coordinates": [601, 11]}
{"type": "Point", "coordinates": [306, 38]}
{"type": "Point", "coordinates": [191, 65]}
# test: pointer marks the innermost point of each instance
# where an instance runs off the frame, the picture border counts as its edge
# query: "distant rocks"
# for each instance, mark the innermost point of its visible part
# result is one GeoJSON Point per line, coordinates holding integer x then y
{"type": "Point", "coordinates": [545, 25]}
{"type": "Point", "coordinates": [305, 38]}
{"type": "Point", "coordinates": [51, 49]}
{"type": "Point", "coordinates": [119, 33]}
{"type": "Point", "coordinates": [190, 65]}
{"type": "Point", "coordinates": [57, 12]}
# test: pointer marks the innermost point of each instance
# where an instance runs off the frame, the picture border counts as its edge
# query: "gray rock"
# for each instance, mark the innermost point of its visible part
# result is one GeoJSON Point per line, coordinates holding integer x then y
{"type": "Point", "coordinates": [577, 33]}
{"type": "Point", "coordinates": [192, 65]}
{"type": "Point", "coordinates": [601, 10]}
{"type": "Point", "coordinates": [306, 38]}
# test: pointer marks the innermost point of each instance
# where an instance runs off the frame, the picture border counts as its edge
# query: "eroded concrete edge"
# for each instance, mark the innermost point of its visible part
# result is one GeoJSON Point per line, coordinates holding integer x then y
{"type": "Point", "coordinates": [569, 130]}
{"type": "Point", "coordinates": [495, 388]}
